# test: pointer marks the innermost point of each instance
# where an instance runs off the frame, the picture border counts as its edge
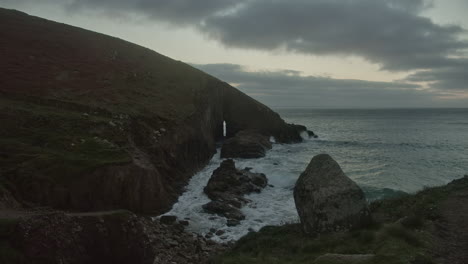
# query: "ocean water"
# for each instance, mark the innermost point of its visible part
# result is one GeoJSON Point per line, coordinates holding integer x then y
{"type": "Point", "coordinates": [386, 152]}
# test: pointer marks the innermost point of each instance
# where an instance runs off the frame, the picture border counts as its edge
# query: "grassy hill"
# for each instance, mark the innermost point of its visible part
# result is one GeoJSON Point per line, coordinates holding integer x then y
{"type": "Point", "coordinates": [92, 122]}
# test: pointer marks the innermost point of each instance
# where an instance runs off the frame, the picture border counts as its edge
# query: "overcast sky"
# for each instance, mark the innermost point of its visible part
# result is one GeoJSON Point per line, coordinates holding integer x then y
{"type": "Point", "coordinates": [301, 53]}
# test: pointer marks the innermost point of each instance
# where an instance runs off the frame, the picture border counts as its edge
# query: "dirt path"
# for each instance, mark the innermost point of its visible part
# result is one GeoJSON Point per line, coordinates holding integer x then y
{"type": "Point", "coordinates": [452, 229]}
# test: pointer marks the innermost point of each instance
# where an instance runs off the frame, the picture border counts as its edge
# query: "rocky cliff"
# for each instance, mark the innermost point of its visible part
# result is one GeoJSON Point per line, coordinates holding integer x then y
{"type": "Point", "coordinates": [92, 122]}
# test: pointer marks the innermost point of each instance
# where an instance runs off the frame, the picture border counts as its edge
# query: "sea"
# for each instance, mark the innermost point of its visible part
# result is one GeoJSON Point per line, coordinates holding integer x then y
{"type": "Point", "coordinates": [387, 152]}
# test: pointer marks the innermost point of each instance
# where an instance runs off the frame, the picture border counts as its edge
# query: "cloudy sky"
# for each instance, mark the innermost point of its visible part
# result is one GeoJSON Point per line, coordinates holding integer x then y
{"type": "Point", "coordinates": [301, 53]}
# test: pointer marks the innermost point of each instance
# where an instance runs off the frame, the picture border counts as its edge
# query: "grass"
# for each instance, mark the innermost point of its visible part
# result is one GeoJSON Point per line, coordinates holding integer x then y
{"type": "Point", "coordinates": [390, 243]}
{"type": "Point", "coordinates": [58, 143]}
{"type": "Point", "coordinates": [401, 233]}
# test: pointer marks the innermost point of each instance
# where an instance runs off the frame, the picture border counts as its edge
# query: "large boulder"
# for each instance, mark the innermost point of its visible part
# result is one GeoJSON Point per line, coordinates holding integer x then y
{"type": "Point", "coordinates": [247, 144]}
{"type": "Point", "coordinates": [226, 189]}
{"type": "Point", "coordinates": [327, 200]}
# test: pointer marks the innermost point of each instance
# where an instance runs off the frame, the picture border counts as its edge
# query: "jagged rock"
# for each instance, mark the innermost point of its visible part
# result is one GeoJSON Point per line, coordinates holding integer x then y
{"type": "Point", "coordinates": [137, 169]}
{"type": "Point", "coordinates": [168, 219]}
{"type": "Point", "coordinates": [327, 200]}
{"type": "Point", "coordinates": [311, 134]}
{"type": "Point", "coordinates": [227, 180]}
{"type": "Point", "coordinates": [7, 201]}
{"type": "Point", "coordinates": [247, 144]}
{"type": "Point", "coordinates": [226, 189]}
{"type": "Point", "coordinates": [184, 222]}
{"type": "Point", "coordinates": [105, 237]}
{"type": "Point", "coordinates": [232, 222]}
{"type": "Point", "coordinates": [223, 208]}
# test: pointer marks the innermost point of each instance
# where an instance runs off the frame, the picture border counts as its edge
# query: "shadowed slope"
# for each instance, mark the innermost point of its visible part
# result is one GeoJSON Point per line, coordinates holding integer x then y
{"type": "Point", "coordinates": [91, 122]}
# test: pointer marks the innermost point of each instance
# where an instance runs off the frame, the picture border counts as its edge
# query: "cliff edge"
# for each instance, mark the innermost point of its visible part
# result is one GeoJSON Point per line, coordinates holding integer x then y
{"type": "Point", "coordinates": [92, 122]}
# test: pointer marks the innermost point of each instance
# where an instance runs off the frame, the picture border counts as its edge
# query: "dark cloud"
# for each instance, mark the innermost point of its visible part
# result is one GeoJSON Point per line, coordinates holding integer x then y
{"type": "Point", "coordinates": [391, 33]}
{"type": "Point", "coordinates": [290, 88]}
{"type": "Point", "coordinates": [450, 78]}
{"type": "Point", "coordinates": [387, 32]}
{"type": "Point", "coordinates": [173, 11]}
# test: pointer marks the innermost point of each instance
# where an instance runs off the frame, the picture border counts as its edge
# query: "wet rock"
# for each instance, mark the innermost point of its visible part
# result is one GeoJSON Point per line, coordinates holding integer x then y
{"type": "Point", "coordinates": [168, 219]}
{"type": "Point", "coordinates": [327, 200]}
{"type": "Point", "coordinates": [184, 222]}
{"type": "Point", "coordinates": [226, 189]}
{"type": "Point", "coordinates": [220, 232]}
{"type": "Point", "coordinates": [223, 209]}
{"type": "Point", "coordinates": [311, 134]}
{"type": "Point", "coordinates": [247, 144]}
{"type": "Point", "coordinates": [229, 181]}
{"type": "Point", "coordinates": [232, 222]}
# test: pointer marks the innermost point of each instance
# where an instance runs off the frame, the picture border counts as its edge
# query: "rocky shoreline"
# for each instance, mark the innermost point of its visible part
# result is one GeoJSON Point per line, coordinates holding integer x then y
{"type": "Point", "coordinates": [124, 128]}
{"type": "Point", "coordinates": [91, 145]}
{"type": "Point", "coordinates": [50, 236]}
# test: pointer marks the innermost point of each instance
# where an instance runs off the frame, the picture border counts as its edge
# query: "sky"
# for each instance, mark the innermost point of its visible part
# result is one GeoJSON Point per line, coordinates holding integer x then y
{"type": "Point", "coordinates": [297, 53]}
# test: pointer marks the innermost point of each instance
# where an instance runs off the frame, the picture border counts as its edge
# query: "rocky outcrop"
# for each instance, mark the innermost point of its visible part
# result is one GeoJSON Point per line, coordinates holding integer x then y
{"type": "Point", "coordinates": [7, 201]}
{"type": "Point", "coordinates": [247, 144]}
{"type": "Point", "coordinates": [311, 134]}
{"type": "Point", "coordinates": [327, 200]}
{"type": "Point", "coordinates": [91, 122]}
{"type": "Point", "coordinates": [226, 189]}
{"type": "Point", "coordinates": [104, 237]}
{"type": "Point", "coordinates": [242, 112]}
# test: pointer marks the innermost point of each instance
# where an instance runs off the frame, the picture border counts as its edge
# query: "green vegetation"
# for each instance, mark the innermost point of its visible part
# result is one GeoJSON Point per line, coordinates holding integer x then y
{"type": "Point", "coordinates": [402, 232]}
{"type": "Point", "coordinates": [58, 142]}
{"type": "Point", "coordinates": [390, 243]}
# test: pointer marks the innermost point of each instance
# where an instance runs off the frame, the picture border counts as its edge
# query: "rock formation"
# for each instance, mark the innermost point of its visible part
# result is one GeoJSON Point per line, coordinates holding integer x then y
{"type": "Point", "coordinates": [247, 144]}
{"type": "Point", "coordinates": [327, 200]}
{"type": "Point", "coordinates": [101, 237]}
{"type": "Point", "coordinates": [91, 122]}
{"type": "Point", "coordinates": [226, 189]}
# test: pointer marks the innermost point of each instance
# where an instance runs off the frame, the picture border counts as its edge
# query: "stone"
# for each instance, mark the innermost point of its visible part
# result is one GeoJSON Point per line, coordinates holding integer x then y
{"type": "Point", "coordinates": [184, 222]}
{"type": "Point", "coordinates": [247, 144]}
{"type": "Point", "coordinates": [226, 189]}
{"type": "Point", "coordinates": [232, 222]}
{"type": "Point", "coordinates": [311, 134]}
{"type": "Point", "coordinates": [327, 200]}
{"type": "Point", "coordinates": [227, 180]}
{"type": "Point", "coordinates": [168, 219]}
{"type": "Point", "coordinates": [223, 209]}
{"type": "Point", "coordinates": [220, 232]}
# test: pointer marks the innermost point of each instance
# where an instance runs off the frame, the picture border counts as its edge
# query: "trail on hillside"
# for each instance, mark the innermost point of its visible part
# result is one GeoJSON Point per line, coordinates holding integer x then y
{"type": "Point", "coordinates": [451, 245]}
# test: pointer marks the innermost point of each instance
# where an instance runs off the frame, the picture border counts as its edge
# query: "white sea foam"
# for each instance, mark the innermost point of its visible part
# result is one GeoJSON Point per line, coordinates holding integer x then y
{"type": "Point", "coordinates": [273, 206]}
{"type": "Point", "coordinates": [383, 156]}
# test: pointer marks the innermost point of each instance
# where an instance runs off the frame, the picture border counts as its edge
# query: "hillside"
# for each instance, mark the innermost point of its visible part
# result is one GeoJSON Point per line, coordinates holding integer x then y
{"type": "Point", "coordinates": [424, 228]}
{"type": "Point", "coordinates": [92, 122]}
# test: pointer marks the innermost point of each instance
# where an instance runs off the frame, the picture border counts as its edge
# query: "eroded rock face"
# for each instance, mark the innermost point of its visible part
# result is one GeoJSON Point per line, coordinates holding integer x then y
{"type": "Point", "coordinates": [327, 200]}
{"type": "Point", "coordinates": [106, 237]}
{"type": "Point", "coordinates": [226, 189]}
{"type": "Point", "coordinates": [124, 128]}
{"type": "Point", "coordinates": [247, 144]}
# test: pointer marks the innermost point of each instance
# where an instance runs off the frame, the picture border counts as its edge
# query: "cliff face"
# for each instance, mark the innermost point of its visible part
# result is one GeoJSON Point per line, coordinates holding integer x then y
{"type": "Point", "coordinates": [99, 237]}
{"type": "Point", "coordinates": [91, 122]}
